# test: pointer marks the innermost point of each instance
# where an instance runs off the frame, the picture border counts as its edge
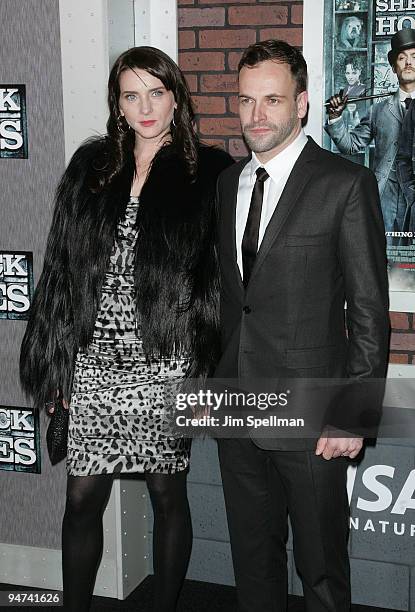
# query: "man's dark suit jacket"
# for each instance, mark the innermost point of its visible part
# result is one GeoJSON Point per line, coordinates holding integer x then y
{"type": "Point", "coordinates": [324, 245]}
{"type": "Point", "coordinates": [405, 167]}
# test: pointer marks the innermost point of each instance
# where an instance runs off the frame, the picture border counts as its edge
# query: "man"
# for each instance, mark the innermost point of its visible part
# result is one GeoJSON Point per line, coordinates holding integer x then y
{"type": "Point", "coordinates": [300, 230]}
{"type": "Point", "coordinates": [382, 125]}
{"type": "Point", "coordinates": [405, 165]}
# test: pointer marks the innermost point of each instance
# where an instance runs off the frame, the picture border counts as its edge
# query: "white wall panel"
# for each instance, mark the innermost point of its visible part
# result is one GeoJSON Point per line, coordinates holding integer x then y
{"type": "Point", "coordinates": [121, 27]}
{"type": "Point", "coordinates": [85, 68]}
{"type": "Point", "coordinates": [156, 25]}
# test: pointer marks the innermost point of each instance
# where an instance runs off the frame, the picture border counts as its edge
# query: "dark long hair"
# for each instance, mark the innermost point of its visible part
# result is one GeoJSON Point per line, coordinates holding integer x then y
{"type": "Point", "coordinates": [121, 139]}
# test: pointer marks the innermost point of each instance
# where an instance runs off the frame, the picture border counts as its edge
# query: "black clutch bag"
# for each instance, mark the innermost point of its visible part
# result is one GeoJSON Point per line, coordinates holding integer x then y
{"type": "Point", "coordinates": [57, 433]}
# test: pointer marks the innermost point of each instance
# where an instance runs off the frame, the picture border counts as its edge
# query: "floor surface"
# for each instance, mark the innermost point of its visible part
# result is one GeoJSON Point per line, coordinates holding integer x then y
{"type": "Point", "coordinates": [196, 597]}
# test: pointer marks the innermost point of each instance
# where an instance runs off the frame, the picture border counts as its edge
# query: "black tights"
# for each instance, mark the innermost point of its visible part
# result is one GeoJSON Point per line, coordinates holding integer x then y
{"type": "Point", "coordinates": [82, 537]}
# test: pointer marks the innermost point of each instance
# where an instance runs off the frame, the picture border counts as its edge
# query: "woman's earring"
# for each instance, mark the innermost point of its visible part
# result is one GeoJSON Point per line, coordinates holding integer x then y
{"type": "Point", "coordinates": [173, 121]}
{"type": "Point", "coordinates": [120, 125]}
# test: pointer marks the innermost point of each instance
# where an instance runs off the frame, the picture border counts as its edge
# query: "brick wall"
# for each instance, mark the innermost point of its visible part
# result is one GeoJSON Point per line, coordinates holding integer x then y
{"type": "Point", "coordinates": [402, 344]}
{"type": "Point", "coordinates": [212, 36]}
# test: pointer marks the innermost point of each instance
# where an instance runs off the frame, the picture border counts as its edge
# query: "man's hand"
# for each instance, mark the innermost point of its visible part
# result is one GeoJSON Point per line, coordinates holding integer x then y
{"type": "Point", "coordinates": [337, 104]}
{"type": "Point", "coordinates": [199, 412]}
{"type": "Point", "coordinates": [331, 447]}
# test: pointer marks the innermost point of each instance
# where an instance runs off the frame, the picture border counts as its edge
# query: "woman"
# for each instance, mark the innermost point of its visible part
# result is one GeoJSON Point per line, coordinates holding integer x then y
{"type": "Point", "coordinates": [353, 71]}
{"type": "Point", "coordinates": [126, 303]}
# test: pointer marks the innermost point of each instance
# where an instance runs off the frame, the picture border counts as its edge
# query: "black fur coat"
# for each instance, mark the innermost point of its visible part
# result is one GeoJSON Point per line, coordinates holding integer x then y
{"type": "Point", "coordinates": [175, 266]}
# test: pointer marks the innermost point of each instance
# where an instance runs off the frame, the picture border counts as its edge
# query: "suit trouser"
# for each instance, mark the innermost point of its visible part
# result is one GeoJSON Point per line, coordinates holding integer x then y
{"type": "Point", "coordinates": [261, 487]}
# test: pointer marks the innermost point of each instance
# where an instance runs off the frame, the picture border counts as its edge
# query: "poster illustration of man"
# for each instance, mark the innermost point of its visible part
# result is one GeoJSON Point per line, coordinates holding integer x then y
{"type": "Point", "coordinates": [373, 135]}
{"type": "Point", "coordinates": [405, 164]}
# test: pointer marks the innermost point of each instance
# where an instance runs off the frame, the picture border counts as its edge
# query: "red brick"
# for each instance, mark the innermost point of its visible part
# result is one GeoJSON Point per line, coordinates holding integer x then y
{"type": "Point", "coordinates": [192, 82]}
{"type": "Point", "coordinates": [210, 105]}
{"type": "Point", "coordinates": [219, 127]}
{"type": "Point", "coordinates": [219, 82]}
{"type": "Point", "coordinates": [227, 1]}
{"type": "Point", "coordinates": [226, 39]}
{"type": "Point", "coordinates": [237, 147]}
{"type": "Point", "coordinates": [233, 105]}
{"type": "Point", "coordinates": [297, 14]}
{"type": "Point", "coordinates": [215, 142]}
{"type": "Point", "coordinates": [257, 15]}
{"type": "Point", "coordinates": [402, 342]}
{"type": "Point", "coordinates": [193, 61]}
{"type": "Point", "coordinates": [183, 2]}
{"type": "Point", "coordinates": [233, 59]}
{"type": "Point", "coordinates": [187, 39]}
{"type": "Point", "coordinates": [399, 320]}
{"type": "Point", "coordinates": [294, 36]}
{"type": "Point", "coordinates": [398, 358]}
{"type": "Point", "coordinates": [196, 17]}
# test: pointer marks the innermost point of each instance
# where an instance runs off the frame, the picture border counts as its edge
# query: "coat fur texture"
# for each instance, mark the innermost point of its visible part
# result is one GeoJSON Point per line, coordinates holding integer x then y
{"type": "Point", "coordinates": [176, 280]}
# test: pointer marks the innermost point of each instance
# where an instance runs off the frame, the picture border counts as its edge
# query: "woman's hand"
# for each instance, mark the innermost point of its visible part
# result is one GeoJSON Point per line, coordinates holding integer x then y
{"type": "Point", "coordinates": [50, 406]}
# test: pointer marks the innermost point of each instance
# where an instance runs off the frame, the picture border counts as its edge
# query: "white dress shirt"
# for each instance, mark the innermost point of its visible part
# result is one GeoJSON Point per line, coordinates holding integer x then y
{"type": "Point", "coordinates": [279, 169]}
{"type": "Point", "coordinates": [403, 95]}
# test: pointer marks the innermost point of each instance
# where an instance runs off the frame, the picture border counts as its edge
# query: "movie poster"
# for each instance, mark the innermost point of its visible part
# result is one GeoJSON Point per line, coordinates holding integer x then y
{"type": "Point", "coordinates": [13, 121]}
{"type": "Point", "coordinates": [356, 46]}
{"type": "Point", "coordinates": [19, 440]}
{"type": "Point", "coordinates": [16, 284]}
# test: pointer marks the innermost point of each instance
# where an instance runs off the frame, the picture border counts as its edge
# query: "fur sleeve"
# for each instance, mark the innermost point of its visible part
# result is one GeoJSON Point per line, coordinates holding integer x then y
{"type": "Point", "coordinates": [205, 296]}
{"type": "Point", "coordinates": [48, 348]}
{"type": "Point", "coordinates": [176, 272]}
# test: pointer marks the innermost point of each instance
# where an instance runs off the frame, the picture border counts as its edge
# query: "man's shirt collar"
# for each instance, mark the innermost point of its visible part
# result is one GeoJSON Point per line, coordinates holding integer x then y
{"type": "Point", "coordinates": [282, 163]}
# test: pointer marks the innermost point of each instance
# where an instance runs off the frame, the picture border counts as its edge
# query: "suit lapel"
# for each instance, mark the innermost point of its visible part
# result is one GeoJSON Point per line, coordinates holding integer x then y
{"type": "Point", "coordinates": [297, 181]}
{"type": "Point", "coordinates": [230, 219]}
{"type": "Point", "coordinates": [395, 107]}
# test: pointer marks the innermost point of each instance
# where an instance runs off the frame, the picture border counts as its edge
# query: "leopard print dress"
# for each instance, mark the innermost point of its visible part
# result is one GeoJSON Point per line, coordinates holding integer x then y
{"type": "Point", "coordinates": [119, 405]}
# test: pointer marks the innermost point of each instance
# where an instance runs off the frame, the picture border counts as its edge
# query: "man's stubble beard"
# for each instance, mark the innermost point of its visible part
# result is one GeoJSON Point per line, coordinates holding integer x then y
{"type": "Point", "coordinates": [278, 135]}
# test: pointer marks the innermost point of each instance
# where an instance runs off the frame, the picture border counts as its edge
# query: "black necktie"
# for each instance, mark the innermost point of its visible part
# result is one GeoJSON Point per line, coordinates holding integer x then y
{"type": "Point", "coordinates": [250, 238]}
{"type": "Point", "coordinates": [407, 102]}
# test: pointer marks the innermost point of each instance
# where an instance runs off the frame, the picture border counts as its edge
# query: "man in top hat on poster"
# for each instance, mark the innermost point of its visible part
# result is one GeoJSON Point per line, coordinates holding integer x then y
{"type": "Point", "coordinates": [382, 125]}
{"type": "Point", "coordinates": [405, 162]}
{"type": "Point", "coordinates": [300, 231]}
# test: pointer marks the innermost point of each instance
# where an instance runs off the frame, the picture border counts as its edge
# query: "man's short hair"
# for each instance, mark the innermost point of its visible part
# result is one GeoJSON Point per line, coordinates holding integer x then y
{"type": "Point", "coordinates": [281, 52]}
